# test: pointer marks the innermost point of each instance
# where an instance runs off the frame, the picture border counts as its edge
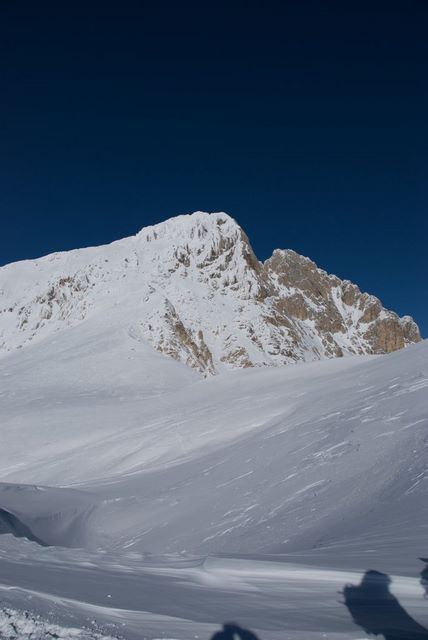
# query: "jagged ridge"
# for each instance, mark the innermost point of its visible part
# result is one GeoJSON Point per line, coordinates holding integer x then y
{"type": "Point", "coordinates": [193, 288]}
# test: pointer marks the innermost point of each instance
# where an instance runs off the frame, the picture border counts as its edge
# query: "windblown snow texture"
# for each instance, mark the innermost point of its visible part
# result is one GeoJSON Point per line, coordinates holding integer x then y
{"type": "Point", "coordinates": [141, 499]}
{"type": "Point", "coordinates": [317, 465]}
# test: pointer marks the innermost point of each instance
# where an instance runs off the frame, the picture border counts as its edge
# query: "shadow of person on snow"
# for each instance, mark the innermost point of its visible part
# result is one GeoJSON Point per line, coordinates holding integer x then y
{"type": "Point", "coordinates": [231, 629]}
{"type": "Point", "coordinates": [376, 610]}
{"type": "Point", "coordinates": [424, 577]}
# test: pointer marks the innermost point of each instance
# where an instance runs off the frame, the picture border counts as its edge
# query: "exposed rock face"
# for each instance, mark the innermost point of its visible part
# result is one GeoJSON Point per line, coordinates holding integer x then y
{"type": "Point", "coordinates": [193, 288]}
{"type": "Point", "coordinates": [346, 319]}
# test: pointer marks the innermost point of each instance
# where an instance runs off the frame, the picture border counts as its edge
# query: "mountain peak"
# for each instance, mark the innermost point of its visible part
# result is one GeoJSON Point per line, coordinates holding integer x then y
{"type": "Point", "coordinates": [192, 287]}
{"type": "Point", "coordinates": [192, 226]}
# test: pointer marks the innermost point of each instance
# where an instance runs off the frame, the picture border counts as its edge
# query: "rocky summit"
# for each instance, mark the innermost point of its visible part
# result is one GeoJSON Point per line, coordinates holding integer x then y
{"type": "Point", "coordinates": [193, 288]}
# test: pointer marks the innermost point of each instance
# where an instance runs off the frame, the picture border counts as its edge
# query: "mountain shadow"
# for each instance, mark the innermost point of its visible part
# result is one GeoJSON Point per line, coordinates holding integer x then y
{"type": "Point", "coordinates": [376, 610]}
{"type": "Point", "coordinates": [231, 629]}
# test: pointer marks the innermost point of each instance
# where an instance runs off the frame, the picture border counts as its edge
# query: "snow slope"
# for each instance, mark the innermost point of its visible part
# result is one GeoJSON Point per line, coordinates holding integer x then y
{"type": "Point", "coordinates": [303, 476]}
{"type": "Point", "coordinates": [140, 499]}
{"type": "Point", "coordinates": [290, 458]}
{"type": "Point", "coordinates": [134, 596]}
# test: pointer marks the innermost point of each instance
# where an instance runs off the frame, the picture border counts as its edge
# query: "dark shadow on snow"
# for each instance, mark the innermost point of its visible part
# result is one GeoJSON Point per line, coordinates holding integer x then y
{"type": "Point", "coordinates": [424, 576]}
{"type": "Point", "coordinates": [11, 524]}
{"type": "Point", "coordinates": [376, 610]}
{"type": "Point", "coordinates": [230, 630]}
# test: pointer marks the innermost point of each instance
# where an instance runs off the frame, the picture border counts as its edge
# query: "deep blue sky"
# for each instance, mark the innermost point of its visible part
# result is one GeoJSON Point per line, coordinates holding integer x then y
{"type": "Point", "coordinates": [307, 120]}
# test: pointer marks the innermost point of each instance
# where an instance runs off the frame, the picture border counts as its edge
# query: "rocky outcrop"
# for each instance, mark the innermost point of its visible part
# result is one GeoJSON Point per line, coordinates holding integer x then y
{"type": "Point", "coordinates": [194, 289]}
{"type": "Point", "coordinates": [346, 319]}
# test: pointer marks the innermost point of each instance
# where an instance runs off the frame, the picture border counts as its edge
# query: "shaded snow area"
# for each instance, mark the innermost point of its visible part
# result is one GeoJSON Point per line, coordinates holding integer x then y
{"type": "Point", "coordinates": [138, 500]}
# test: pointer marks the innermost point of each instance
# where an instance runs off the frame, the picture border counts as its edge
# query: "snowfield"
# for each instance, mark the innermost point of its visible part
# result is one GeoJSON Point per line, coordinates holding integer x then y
{"type": "Point", "coordinates": [143, 498]}
{"type": "Point", "coordinates": [172, 504]}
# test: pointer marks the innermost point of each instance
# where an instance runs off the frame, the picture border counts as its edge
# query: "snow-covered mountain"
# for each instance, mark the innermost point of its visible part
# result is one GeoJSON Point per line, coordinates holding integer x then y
{"type": "Point", "coordinates": [193, 288]}
{"type": "Point", "coordinates": [170, 503]}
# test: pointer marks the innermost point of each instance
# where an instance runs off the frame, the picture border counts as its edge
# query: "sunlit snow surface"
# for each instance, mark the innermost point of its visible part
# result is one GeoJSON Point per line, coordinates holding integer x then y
{"type": "Point", "coordinates": [173, 504]}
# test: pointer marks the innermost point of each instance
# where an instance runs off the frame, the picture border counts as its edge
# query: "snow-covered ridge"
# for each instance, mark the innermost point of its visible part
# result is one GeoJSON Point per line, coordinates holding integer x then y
{"type": "Point", "coordinates": [192, 287]}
